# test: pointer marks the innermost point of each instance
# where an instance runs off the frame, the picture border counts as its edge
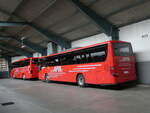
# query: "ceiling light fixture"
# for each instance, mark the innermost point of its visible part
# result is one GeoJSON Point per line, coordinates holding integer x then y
{"type": "Point", "coordinates": [22, 42]}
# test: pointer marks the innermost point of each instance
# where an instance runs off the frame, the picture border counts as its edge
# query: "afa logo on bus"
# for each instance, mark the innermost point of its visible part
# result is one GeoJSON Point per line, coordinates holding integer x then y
{"type": "Point", "coordinates": [57, 69]}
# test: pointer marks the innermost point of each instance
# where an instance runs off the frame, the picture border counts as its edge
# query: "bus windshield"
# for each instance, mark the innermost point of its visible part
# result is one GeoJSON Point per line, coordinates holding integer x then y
{"type": "Point", "coordinates": [122, 49]}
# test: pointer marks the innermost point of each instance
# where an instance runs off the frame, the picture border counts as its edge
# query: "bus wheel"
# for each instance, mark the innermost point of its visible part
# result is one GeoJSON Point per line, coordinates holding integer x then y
{"type": "Point", "coordinates": [81, 80]}
{"type": "Point", "coordinates": [46, 78]}
{"type": "Point", "coordinates": [13, 77]}
{"type": "Point", "coordinates": [24, 77]}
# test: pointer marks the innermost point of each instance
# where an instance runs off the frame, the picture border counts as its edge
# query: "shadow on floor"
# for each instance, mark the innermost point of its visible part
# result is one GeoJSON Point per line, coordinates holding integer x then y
{"type": "Point", "coordinates": [34, 79]}
{"type": "Point", "coordinates": [110, 87]}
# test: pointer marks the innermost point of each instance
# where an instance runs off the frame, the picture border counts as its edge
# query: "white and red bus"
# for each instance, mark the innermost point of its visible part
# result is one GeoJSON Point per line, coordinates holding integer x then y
{"type": "Point", "coordinates": [107, 63]}
{"type": "Point", "coordinates": [26, 68]}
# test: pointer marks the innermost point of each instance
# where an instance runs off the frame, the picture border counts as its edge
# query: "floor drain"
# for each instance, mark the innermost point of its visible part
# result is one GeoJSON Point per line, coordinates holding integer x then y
{"type": "Point", "coordinates": [7, 103]}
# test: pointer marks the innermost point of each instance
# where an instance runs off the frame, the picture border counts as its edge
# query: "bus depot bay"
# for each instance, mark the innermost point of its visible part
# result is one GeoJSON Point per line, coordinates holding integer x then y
{"type": "Point", "coordinates": [107, 63]}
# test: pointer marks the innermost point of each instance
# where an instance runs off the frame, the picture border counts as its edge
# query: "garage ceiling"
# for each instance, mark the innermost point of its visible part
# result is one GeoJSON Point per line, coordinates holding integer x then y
{"type": "Point", "coordinates": [61, 20]}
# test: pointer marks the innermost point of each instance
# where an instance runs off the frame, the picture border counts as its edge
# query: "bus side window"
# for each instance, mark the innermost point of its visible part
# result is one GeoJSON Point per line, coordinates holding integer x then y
{"type": "Point", "coordinates": [66, 59]}
{"type": "Point", "coordinates": [63, 60]}
{"type": "Point", "coordinates": [83, 58]}
{"type": "Point", "coordinates": [70, 59]}
{"type": "Point", "coordinates": [57, 61]}
{"type": "Point", "coordinates": [88, 58]}
{"type": "Point", "coordinates": [77, 59]}
{"type": "Point", "coordinates": [97, 56]}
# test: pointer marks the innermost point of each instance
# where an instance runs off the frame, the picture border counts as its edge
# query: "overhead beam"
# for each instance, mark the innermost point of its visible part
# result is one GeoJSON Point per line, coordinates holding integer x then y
{"type": "Point", "coordinates": [34, 46]}
{"type": "Point", "coordinates": [6, 24]}
{"type": "Point", "coordinates": [53, 37]}
{"type": "Point", "coordinates": [91, 2]}
{"type": "Point", "coordinates": [104, 25]}
{"type": "Point", "coordinates": [8, 13]}
{"type": "Point", "coordinates": [136, 21]}
{"type": "Point", "coordinates": [6, 50]}
{"type": "Point", "coordinates": [135, 4]}
{"type": "Point", "coordinates": [4, 38]}
{"type": "Point", "coordinates": [17, 50]}
{"type": "Point", "coordinates": [75, 28]}
{"type": "Point", "coordinates": [31, 45]}
{"type": "Point", "coordinates": [5, 56]}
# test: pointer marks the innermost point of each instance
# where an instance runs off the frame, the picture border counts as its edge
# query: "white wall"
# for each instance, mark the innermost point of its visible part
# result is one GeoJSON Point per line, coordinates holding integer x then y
{"type": "Point", "coordinates": [91, 40]}
{"type": "Point", "coordinates": [13, 59]}
{"type": "Point", "coordinates": [139, 35]}
{"type": "Point", "coordinates": [37, 54]}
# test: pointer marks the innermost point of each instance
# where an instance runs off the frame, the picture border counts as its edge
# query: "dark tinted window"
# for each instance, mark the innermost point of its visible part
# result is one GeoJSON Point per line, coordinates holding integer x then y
{"type": "Point", "coordinates": [36, 61]}
{"type": "Point", "coordinates": [21, 63]}
{"type": "Point", "coordinates": [89, 55]}
{"type": "Point", "coordinates": [51, 61]}
{"type": "Point", "coordinates": [98, 54]}
{"type": "Point", "coordinates": [122, 49]}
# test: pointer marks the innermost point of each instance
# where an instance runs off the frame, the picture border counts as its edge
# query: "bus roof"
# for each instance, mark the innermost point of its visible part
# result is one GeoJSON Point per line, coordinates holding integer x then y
{"type": "Point", "coordinates": [80, 48]}
{"type": "Point", "coordinates": [22, 59]}
{"type": "Point", "coordinates": [71, 50]}
{"type": "Point", "coordinates": [25, 59]}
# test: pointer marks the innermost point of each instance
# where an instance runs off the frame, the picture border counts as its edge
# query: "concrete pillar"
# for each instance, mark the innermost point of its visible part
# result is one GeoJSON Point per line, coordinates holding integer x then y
{"type": "Point", "coordinates": [37, 54]}
{"type": "Point", "coordinates": [59, 49]}
{"type": "Point", "coordinates": [4, 67]}
{"type": "Point", "coordinates": [9, 66]}
{"type": "Point", "coordinates": [51, 48]}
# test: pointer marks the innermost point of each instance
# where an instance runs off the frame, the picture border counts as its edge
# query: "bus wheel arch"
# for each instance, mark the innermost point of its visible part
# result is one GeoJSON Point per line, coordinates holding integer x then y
{"type": "Point", "coordinates": [80, 79]}
{"type": "Point", "coordinates": [23, 76]}
{"type": "Point", "coordinates": [13, 76]}
{"type": "Point", "coordinates": [78, 75]}
{"type": "Point", "coordinates": [46, 77]}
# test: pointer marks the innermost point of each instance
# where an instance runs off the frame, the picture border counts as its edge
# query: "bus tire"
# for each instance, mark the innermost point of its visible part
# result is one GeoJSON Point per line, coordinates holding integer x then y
{"type": "Point", "coordinates": [46, 78]}
{"type": "Point", "coordinates": [81, 80]}
{"type": "Point", "coordinates": [24, 77]}
{"type": "Point", "coordinates": [12, 77]}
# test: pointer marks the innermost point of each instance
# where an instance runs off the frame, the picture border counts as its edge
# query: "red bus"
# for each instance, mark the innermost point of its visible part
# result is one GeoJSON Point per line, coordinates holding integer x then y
{"type": "Point", "coordinates": [107, 63]}
{"type": "Point", "coordinates": [26, 68]}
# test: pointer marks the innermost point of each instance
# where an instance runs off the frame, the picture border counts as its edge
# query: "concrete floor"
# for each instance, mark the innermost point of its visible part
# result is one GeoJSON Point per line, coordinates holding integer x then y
{"type": "Point", "coordinates": [40, 97]}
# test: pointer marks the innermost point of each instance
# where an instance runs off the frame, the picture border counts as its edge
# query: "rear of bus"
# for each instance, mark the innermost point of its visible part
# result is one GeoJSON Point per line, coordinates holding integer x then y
{"type": "Point", "coordinates": [25, 69]}
{"type": "Point", "coordinates": [123, 62]}
{"type": "Point", "coordinates": [33, 69]}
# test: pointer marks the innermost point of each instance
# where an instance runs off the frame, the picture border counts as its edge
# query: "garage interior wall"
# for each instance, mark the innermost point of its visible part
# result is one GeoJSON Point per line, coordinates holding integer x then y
{"type": "Point", "coordinates": [37, 54]}
{"type": "Point", "coordinates": [91, 40]}
{"type": "Point", "coordinates": [13, 59]}
{"type": "Point", "coordinates": [3, 68]}
{"type": "Point", "coordinates": [139, 36]}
